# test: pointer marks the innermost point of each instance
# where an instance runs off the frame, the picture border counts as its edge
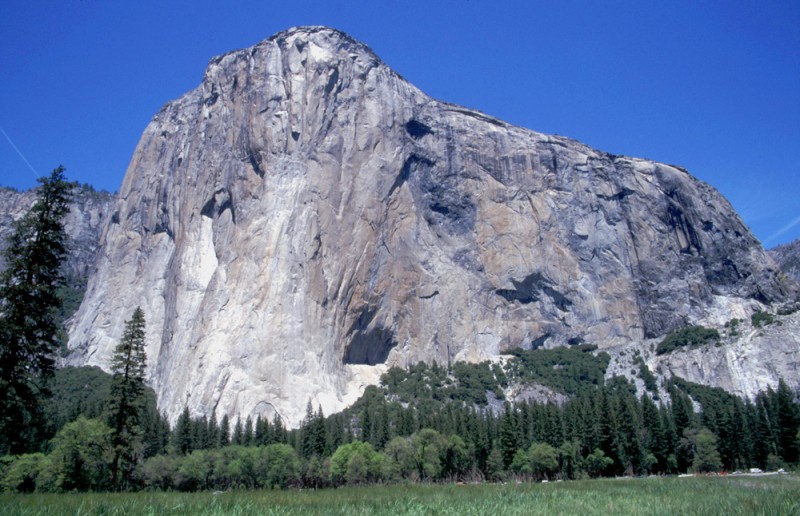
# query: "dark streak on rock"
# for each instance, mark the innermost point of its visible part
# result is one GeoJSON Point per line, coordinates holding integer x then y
{"type": "Point", "coordinates": [213, 208]}
{"type": "Point", "coordinates": [539, 341]}
{"type": "Point", "coordinates": [411, 164]}
{"type": "Point", "coordinates": [530, 290]}
{"type": "Point", "coordinates": [332, 80]}
{"type": "Point", "coordinates": [212, 98]}
{"type": "Point", "coordinates": [255, 161]}
{"type": "Point", "coordinates": [417, 129]}
{"type": "Point", "coordinates": [368, 346]}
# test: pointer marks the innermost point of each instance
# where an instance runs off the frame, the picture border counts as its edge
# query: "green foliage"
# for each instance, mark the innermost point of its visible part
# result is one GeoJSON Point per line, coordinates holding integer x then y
{"type": "Point", "coordinates": [22, 473]}
{"type": "Point", "coordinates": [465, 382]}
{"type": "Point", "coordinates": [691, 337]}
{"type": "Point", "coordinates": [429, 445]}
{"type": "Point", "coordinates": [85, 391]}
{"type": "Point", "coordinates": [418, 382]}
{"type": "Point", "coordinates": [71, 295]}
{"type": "Point", "coordinates": [82, 455]}
{"type": "Point", "coordinates": [495, 468]}
{"type": "Point", "coordinates": [313, 434]}
{"type": "Point", "coordinates": [29, 302]}
{"type": "Point", "coordinates": [544, 459]}
{"type": "Point", "coordinates": [733, 327]}
{"type": "Point", "coordinates": [565, 369]}
{"type": "Point", "coordinates": [356, 463]}
{"type": "Point", "coordinates": [158, 472]}
{"type": "Point", "coordinates": [706, 456]}
{"type": "Point", "coordinates": [597, 462]}
{"type": "Point", "coordinates": [401, 457]}
{"type": "Point", "coordinates": [455, 458]}
{"type": "Point", "coordinates": [194, 471]}
{"type": "Point", "coordinates": [77, 391]}
{"type": "Point", "coordinates": [474, 380]}
{"type": "Point", "coordinates": [761, 318]}
{"type": "Point", "coordinates": [279, 465]}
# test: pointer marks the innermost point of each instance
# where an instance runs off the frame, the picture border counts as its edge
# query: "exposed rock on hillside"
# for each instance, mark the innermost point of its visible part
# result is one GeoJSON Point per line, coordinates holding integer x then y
{"type": "Point", "coordinates": [787, 257]}
{"type": "Point", "coordinates": [747, 360]}
{"type": "Point", "coordinates": [306, 216]}
{"type": "Point", "coordinates": [88, 212]}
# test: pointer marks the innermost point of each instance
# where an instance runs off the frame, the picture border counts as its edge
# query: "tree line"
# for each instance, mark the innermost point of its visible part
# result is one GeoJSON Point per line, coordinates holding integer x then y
{"type": "Point", "coordinates": [602, 431]}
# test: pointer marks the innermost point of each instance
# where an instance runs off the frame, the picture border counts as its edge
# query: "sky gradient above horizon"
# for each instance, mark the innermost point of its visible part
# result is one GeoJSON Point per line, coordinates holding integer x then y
{"type": "Point", "coordinates": [712, 86]}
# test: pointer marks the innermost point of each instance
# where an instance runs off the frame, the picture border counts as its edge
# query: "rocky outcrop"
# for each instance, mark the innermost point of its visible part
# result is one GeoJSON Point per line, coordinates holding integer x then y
{"type": "Point", "coordinates": [88, 212]}
{"type": "Point", "coordinates": [787, 257]}
{"type": "Point", "coordinates": [305, 217]}
{"type": "Point", "coordinates": [747, 360]}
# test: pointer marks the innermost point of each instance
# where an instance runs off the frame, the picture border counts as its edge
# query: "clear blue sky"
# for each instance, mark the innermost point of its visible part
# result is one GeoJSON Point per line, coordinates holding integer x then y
{"type": "Point", "coordinates": [711, 86]}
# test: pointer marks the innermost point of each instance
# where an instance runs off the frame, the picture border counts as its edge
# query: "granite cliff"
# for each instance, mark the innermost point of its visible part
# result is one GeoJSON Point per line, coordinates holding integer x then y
{"type": "Point", "coordinates": [306, 217]}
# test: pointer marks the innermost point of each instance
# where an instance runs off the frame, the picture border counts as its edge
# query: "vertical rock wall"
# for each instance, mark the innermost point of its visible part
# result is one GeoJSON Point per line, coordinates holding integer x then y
{"type": "Point", "coordinates": [305, 217]}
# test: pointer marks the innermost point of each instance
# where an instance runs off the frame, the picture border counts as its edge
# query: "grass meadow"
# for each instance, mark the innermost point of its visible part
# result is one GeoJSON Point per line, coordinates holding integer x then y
{"type": "Point", "coordinates": [772, 495]}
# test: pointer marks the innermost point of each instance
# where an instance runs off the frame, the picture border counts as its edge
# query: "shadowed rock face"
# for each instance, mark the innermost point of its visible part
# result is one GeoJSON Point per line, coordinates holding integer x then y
{"type": "Point", "coordinates": [305, 216]}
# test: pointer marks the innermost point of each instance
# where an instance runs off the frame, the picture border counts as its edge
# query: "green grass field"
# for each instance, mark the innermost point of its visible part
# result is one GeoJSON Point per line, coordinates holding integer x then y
{"type": "Point", "coordinates": [707, 495]}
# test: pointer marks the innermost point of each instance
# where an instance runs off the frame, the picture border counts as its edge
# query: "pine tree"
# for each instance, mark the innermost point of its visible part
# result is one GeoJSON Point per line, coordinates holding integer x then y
{"type": "Point", "coordinates": [654, 439]}
{"type": "Point", "coordinates": [213, 431]}
{"type": "Point", "coordinates": [278, 430]}
{"type": "Point", "coordinates": [312, 440]}
{"type": "Point", "coordinates": [224, 432]}
{"type": "Point", "coordinates": [788, 419]}
{"type": "Point", "coordinates": [200, 434]}
{"type": "Point", "coordinates": [238, 433]}
{"type": "Point", "coordinates": [126, 400]}
{"type": "Point", "coordinates": [28, 308]}
{"type": "Point", "coordinates": [247, 437]}
{"type": "Point", "coordinates": [182, 435]}
{"type": "Point", "coordinates": [509, 434]}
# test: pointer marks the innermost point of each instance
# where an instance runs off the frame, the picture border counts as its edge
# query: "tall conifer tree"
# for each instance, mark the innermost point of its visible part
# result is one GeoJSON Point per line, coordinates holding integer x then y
{"type": "Point", "coordinates": [28, 313]}
{"type": "Point", "coordinates": [126, 402]}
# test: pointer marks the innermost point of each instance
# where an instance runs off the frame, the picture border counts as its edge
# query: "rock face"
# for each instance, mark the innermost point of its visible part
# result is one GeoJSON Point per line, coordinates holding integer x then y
{"type": "Point", "coordinates": [306, 217]}
{"type": "Point", "coordinates": [747, 361]}
{"type": "Point", "coordinates": [787, 257]}
{"type": "Point", "coordinates": [88, 213]}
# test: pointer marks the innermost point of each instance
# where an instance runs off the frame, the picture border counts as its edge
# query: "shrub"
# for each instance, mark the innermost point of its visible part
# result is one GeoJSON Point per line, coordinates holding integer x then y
{"type": "Point", "coordinates": [691, 336]}
{"type": "Point", "coordinates": [760, 319]}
